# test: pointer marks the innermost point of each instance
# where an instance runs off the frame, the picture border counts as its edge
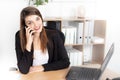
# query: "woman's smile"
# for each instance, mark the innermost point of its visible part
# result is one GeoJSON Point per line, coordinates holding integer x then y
{"type": "Point", "coordinates": [36, 28]}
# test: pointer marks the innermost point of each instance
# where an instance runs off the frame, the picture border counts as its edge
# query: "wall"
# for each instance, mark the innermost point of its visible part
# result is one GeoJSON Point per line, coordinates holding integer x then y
{"type": "Point", "coordinates": [113, 34]}
{"type": "Point", "coordinates": [109, 10]}
{"type": "Point", "coordinates": [67, 9]}
{"type": "Point", "coordinates": [9, 24]}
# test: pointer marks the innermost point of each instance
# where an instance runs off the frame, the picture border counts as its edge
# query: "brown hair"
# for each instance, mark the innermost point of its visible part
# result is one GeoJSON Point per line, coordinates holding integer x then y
{"type": "Point", "coordinates": [24, 13]}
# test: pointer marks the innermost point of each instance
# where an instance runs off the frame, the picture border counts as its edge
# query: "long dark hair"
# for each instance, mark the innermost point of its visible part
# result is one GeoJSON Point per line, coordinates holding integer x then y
{"type": "Point", "coordinates": [24, 13]}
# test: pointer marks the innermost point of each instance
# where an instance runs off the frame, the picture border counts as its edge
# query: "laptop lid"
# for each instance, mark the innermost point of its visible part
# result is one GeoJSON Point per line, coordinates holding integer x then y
{"type": "Point", "coordinates": [106, 59]}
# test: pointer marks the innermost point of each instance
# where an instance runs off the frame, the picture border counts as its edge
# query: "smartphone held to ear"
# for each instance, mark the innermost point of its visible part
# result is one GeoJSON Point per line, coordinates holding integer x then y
{"type": "Point", "coordinates": [31, 31]}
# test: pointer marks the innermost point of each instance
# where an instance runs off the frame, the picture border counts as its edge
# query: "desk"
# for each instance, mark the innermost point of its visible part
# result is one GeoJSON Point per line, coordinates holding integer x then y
{"type": "Point", "coordinates": [109, 74]}
{"type": "Point", "coordinates": [49, 75]}
{"type": "Point", "coordinates": [57, 75]}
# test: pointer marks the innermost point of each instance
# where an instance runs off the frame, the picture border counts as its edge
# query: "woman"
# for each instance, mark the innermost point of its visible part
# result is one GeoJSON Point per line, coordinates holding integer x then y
{"type": "Point", "coordinates": [38, 49]}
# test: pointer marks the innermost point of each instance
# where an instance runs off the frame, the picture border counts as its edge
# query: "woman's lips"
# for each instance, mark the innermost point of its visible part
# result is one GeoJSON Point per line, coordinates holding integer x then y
{"type": "Point", "coordinates": [37, 28]}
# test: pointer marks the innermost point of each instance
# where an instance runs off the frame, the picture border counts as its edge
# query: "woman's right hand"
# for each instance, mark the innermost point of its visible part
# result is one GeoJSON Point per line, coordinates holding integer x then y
{"type": "Point", "coordinates": [29, 38]}
{"type": "Point", "coordinates": [36, 69]}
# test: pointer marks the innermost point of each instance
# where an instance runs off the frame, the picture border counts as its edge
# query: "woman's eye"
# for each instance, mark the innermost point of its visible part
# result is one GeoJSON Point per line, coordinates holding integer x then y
{"type": "Point", "coordinates": [29, 23]}
{"type": "Point", "coordinates": [37, 18]}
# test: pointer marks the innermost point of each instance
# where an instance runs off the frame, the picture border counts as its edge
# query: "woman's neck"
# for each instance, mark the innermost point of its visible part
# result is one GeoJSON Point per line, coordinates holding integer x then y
{"type": "Point", "coordinates": [37, 43]}
{"type": "Point", "coordinates": [36, 36]}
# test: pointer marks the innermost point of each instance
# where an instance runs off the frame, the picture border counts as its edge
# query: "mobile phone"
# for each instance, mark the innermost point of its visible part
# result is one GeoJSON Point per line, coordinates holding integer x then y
{"type": "Point", "coordinates": [31, 31]}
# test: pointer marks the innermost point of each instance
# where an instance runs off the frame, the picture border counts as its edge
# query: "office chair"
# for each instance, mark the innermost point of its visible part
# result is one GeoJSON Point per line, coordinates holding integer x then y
{"type": "Point", "coordinates": [62, 36]}
{"type": "Point", "coordinates": [55, 25]}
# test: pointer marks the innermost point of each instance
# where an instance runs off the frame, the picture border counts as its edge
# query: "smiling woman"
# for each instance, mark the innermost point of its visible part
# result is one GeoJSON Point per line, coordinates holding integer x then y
{"type": "Point", "coordinates": [37, 48]}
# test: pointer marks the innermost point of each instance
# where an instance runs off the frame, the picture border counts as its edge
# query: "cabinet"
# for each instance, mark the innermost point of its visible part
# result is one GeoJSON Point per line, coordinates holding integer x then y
{"type": "Point", "coordinates": [98, 50]}
{"type": "Point", "coordinates": [84, 38]}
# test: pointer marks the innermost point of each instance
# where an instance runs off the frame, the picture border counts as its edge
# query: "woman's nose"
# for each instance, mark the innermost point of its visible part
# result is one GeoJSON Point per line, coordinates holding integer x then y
{"type": "Point", "coordinates": [35, 24]}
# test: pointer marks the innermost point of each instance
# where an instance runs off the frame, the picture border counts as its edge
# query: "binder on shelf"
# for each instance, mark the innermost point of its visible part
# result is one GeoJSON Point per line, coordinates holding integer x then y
{"type": "Point", "coordinates": [87, 53]}
{"type": "Point", "coordinates": [70, 34]}
{"type": "Point", "coordinates": [79, 57]}
{"type": "Point", "coordinates": [74, 34]}
{"type": "Point", "coordinates": [80, 33]}
{"type": "Point", "coordinates": [71, 57]}
{"type": "Point", "coordinates": [88, 32]}
{"type": "Point", "coordinates": [75, 56]}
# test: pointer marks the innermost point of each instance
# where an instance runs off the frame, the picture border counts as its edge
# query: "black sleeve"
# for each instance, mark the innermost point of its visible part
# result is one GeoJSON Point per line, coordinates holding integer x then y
{"type": "Point", "coordinates": [24, 59]}
{"type": "Point", "coordinates": [60, 58]}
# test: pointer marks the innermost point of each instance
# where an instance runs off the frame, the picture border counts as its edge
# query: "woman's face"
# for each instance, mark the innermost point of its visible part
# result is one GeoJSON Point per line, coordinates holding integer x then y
{"type": "Point", "coordinates": [34, 22]}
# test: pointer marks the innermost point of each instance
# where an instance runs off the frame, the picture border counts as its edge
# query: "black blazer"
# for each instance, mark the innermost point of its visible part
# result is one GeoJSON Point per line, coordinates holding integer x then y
{"type": "Point", "coordinates": [58, 58]}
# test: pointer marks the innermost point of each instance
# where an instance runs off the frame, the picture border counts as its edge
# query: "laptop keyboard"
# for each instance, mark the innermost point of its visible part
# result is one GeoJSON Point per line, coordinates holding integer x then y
{"type": "Point", "coordinates": [79, 73]}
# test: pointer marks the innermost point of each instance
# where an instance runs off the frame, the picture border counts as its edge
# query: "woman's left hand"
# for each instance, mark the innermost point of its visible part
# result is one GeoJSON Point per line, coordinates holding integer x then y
{"type": "Point", "coordinates": [36, 69]}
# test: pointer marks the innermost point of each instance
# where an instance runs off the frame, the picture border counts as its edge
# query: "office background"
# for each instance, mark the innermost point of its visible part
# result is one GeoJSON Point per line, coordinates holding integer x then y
{"type": "Point", "coordinates": [101, 9]}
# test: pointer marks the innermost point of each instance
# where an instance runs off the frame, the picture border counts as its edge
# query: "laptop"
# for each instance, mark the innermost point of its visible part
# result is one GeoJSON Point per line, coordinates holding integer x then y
{"type": "Point", "coordinates": [85, 73]}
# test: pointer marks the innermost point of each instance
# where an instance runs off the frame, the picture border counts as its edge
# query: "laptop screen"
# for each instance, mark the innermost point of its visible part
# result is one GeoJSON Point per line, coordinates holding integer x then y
{"type": "Point", "coordinates": [107, 58]}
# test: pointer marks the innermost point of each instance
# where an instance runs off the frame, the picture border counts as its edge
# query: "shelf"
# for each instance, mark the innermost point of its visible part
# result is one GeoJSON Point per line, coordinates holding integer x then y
{"type": "Point", "coordinates": [66, 19]}
{"type": "Point", "coordinates": [89, 37]}
{"type": "Point", "coordinates": [73, 44]}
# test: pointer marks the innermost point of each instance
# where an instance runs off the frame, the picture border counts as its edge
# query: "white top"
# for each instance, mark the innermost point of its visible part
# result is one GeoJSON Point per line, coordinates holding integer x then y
{"type": "Point", "coordinates": [40, 57]}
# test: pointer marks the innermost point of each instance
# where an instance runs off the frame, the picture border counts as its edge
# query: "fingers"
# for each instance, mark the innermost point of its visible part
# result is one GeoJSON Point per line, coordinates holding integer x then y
{"type": "Point", "coordinates": [29, 31]}
{"type": "Point", "coordinates": [32, 32]}
{"type": "Point", "coordinates": [29, 38]}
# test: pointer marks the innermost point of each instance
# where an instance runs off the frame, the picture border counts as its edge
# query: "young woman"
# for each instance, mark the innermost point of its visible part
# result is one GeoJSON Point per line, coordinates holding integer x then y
{"type": "Point", "coordinates": [38, 49]}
